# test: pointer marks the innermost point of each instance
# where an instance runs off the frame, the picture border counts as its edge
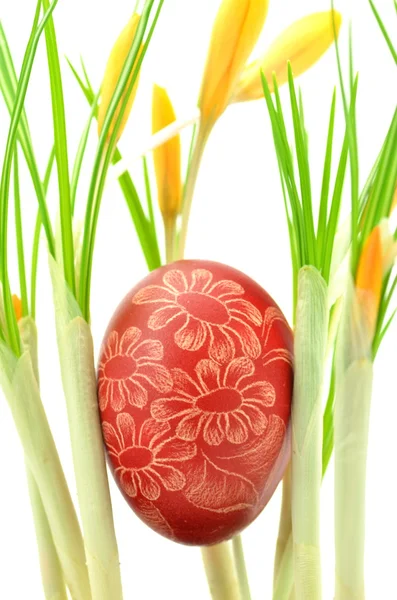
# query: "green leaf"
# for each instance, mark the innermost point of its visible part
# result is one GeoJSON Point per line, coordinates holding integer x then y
{"type": "Point", "coordinates": [383, 29]}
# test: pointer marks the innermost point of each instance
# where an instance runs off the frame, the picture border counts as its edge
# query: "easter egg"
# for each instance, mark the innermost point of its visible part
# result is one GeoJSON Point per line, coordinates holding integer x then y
{"type": "Point", "coordinates": [194, 386]}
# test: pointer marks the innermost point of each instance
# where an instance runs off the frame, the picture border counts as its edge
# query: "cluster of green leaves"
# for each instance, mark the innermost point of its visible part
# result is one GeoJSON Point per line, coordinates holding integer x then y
{"type": "Point", "coordinates": [14, 91]}
{"type": "Point", "coordinates": [310, 245]}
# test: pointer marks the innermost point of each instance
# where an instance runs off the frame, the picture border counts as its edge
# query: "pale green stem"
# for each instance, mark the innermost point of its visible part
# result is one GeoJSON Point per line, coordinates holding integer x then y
{"type": "Point", "coordinates": [285, 527]}
{"type": "Point", "coordinates": [354, 375]}
{"type": "Point", "coordinates": [22, 392]}
{"type": "Point", "coordinates": [352, 411]}
{"type": "Point", "coordinates": [307, 431]}
{"type": "Point", "coordinates": [190, 186]}
{"type": "Point", "coordinates": [51, 571]}
{"type": "Point", "coordinates": [221, 572]}
{"type": "Point", "coordinates": [79, 382]}
{"type": "Point", "coordinates": [170, 232]}
{"type": "Point", "coordinates": [242, 575]}
{"type": "Point", "coordinates": [283, 585]}
{"type": "Point", "coordinates": [50, 567]}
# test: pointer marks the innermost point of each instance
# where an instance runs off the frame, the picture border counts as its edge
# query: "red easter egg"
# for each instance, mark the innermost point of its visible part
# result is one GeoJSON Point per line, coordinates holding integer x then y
{"type": "Point", "coordinates": [195, 384]}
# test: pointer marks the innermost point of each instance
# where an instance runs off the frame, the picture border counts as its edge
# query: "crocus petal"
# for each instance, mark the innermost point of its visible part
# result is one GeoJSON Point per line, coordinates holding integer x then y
{"type": "Point", "coordinates": [369, 278]}
{"type": "Point", "coordinates": [256, 418]}
{"type": "Point", "coordinates": [163, 317]}
{"type": "Point", "coordinates": [234, 35]}
{"type": "Point", "coordinates": [302, 44]}
{"type": "Point", "coordinates": [149, 487]}
{"type": "Point", "coordinates": [262, 392]}
{"type": "Point", "coordinates": [245, 309]}
{"type": "Point", "coordinates": [213, 435]}
{"type": "Point", "coordinates": [191, 336]}
{"type": "Point", "coordinates": [201, 279]}
{"type": "Point", "coordinates": [157, 375]}
{"type": "Point", "coordinates": [152, 294]}
{"type": "Point", "coordinates": [115, 64]}
{"type": "Point", "coordinates": [208, 373]}
{"type": "Point", "coordinates": [168, 408]}
{"type": "Point", "coordinates": [238, 369]}
{"type": "Point", "coordinates": [17, 305]}
{"type": "Point", "coordinates": [126, 427]}
{"type": "Point", "coordinates": [236, 430]}
{"type": "Point", "coordinates": [129, 339]}
{"type": "Point", "coordinates": [167, 157]}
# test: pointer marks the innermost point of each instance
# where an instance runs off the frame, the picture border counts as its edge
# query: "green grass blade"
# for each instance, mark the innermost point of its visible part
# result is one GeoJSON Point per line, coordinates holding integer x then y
{"type": "Point", "coordinates": [19, 238]}
{"type": "Point", "coordinates": [304, 172]}
{"type": "Point", "coordinates": [8, 87]}
{"type": "Point", "coordinates": [383, 29]}
{"type": "Point", "coordinates": [36, 239]}
{"type": "Point", "coordinates": [27, 66]}
{"type": "Point", "coordinates": [128, 77]}
{"type": "Point", "coordinates": [61, 151]}
{"type": "Point", "coordinates": [149, 196]}
{"type": "Point", "coordinates": [78, 162]}
{"type": "Point", "coordinates": [323, 213]}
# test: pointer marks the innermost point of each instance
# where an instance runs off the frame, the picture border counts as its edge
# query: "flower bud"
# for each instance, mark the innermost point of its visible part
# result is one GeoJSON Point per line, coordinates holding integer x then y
{"type": "Point", "coordinates": [302, 44]}
{"type": "Point", "coordinates": [234, 35]}
{"type": "Point", "coordinates": [17, 304]}
{"type": "Point", "coordinates": [167, 157]}
{"type": "Point", "coordinates": [114, 67]}
{"type": "Point", "coordinates": [369, 278]}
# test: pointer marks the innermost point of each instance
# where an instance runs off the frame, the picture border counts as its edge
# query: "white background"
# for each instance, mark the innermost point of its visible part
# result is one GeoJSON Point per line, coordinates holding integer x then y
{"type": "Point", "coordinates": [238, 219]}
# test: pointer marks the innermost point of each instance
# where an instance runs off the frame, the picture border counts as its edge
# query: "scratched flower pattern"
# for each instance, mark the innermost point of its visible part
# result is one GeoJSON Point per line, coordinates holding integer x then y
{"type": "Point", "coordinates": [213, 312]}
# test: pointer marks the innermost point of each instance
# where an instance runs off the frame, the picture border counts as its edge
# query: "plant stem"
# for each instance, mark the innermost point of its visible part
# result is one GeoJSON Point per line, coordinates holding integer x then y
{"type": "Point", "coordinates": [51, 570]}
{"type": "Point", "coordinates": [241, 567]}
{"type": "Point", "coordinates": [190, 186]}
{"type": "Point", "coordinates": [285, 528]}
{"type": "Point", "coordinates": [79, 382]}
{"type": "Point", "coordinates": [310, 349]}
{"type": "Point", "coordinates": [22, 392]}
{"type": "Point", "coordinates": [283, 585]}
{"type": "Point", "coordinates": [170, 231]}
{"type": "Point", "coordinates": [354, 374]}
{"type": "Point", "coordinates": [221, 572]}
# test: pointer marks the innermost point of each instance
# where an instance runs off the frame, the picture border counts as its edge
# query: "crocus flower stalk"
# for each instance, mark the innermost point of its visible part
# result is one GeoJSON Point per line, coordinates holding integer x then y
{"type": "Point", "coordinates": [310, 351]}
{"type": "Point", "coordinates": [167, 164]}
{"type": "Point", "coordinates": [114, 67]}
{"type": "Point", "coordinates": [236, 30]}
{"type": "Point", "coordinates": [302, 44]}
{"type": "Point", "coordinates": [354, 376]}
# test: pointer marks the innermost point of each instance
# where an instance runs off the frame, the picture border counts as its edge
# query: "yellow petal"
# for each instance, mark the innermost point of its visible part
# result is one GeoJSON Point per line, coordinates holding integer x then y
{"type": "Point", "coordinates": [115, 64]}
{"type": "Point", "coordinates": [167, 158]}
{"type": "Point", "coordinates": [369, 277]}
{"type": "Point", "coordinates": [17, 304]}
{"type": "Point", "coordinates": [302, 44]}
{"type": "Point", "coordinates": [234, 35]}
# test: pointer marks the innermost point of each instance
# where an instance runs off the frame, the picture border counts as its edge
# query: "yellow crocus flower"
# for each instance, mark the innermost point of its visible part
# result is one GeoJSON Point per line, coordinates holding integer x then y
{"type": "Point", "coordinates": [234, 35]}
{"type": "Point", "coordinates": [167, 157]}
{"type": "Point", "coordinates": [17, 304]}
{"type": "Point", "coordinates": [369, 278]}
{"type": "Point", "coordinates": [302, 44]}
{"type": "Point", "coordinates": [115, 64]}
